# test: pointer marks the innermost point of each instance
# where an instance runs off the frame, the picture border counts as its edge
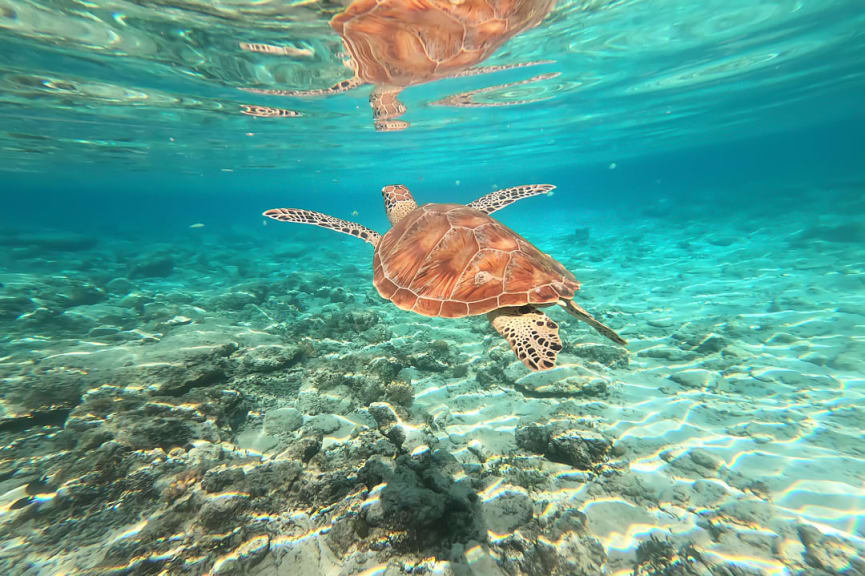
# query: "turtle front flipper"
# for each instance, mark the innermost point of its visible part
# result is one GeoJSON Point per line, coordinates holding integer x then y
{"type": "Point", "coordinates": [325, 221]}
{"type": "Point", "coordinates": [337, 88]}
{"type": "Point", "coordinates": [467, 99]}
{"type": "Point", "coordinates": [386, 108]}
{"type": "Point", "coordinates": [501, 198]}
{"type": "Point", "coordinates": [478, 70]}
{"type": "Point", "coordinates": [277, 50]}
{"type": "Point", "coordinates": [268, 112]}
{"type": "Point", "coordinates": [533, 337]}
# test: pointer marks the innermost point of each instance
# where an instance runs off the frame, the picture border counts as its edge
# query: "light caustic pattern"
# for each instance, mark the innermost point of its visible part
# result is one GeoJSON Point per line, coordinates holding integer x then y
{"type": "Point", "coordinates": [734, 417]}
{"type": "Point", "coordinates": [731, 431]}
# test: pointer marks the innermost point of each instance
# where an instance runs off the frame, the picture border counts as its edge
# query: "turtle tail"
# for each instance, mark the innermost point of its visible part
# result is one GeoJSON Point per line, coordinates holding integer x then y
{"type": "Point", "coordinates": [581, 313]}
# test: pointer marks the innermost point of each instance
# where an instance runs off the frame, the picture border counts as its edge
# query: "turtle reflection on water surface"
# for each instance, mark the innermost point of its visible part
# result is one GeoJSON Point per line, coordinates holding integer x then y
{"type": "Point", "coordinates": [393, 44]}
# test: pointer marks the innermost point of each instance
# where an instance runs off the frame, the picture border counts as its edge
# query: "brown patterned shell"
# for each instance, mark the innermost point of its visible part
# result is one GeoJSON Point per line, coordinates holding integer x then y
{"type": "Point", "coordinates": [405, 42]}
{"type": "Point", "coordinates": [452, 261]}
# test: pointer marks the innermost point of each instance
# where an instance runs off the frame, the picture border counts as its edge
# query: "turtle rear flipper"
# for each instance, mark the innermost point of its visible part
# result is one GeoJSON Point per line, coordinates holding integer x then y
{"type": "Point", "coordinates": [386, 108]}
{"type": "Point", "coordinates": [533, 337]}
{"type": "Point", "coordinates": [318, 219]}
{"type": "Point", "coordinates": [581, 313]}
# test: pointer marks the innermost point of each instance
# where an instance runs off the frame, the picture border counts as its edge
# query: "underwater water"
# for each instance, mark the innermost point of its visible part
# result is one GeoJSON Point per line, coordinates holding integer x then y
{"type": "Point", "coordinates": [188, 387]}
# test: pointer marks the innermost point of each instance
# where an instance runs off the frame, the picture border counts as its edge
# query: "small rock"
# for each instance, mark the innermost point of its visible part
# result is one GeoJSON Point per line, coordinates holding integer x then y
{"type": "Point", "coordinates": [304, 449]}
{"type": "Point", "coordinates": [477, 449]}
{"type": "Point", "coordinates": [383, 414]}
{"type": "Point", "coordinates": [342, 535]}
{"type": "Point", "coordinates": [666, 353]}
{"type": "Point", "coordinates": [783, 338]}
{"type": "Point", "coordinates": [439, 348]}
{"type": "Point", "coordinates": [507, 511]}
{"type": "Point", "coordinates": [338, 295]}
{"type": "Point", "coordinates": [532, 438]}
{"type": "Point", "coordinates": [135, 300]}
{"type": "Point", "coordinates": [256, 439]}
{"type": "Point", "coordinates": [270, 358]}
{"type": "Point", "coordinates": [826, 552]}
{"type": "Point", "coordinates": [221, 511]}
{"type": "Point", "coordinates": [428, 362]}
{"type": "Point", "coordinates": [324, 424]}
{"type": "Point", "coordinates": [582, 449]}
{"type": "Point", "coordinates": [101, 331]}
{"type": "Point", "coordinates": [282, 420]}
{"type": "Point", "coordinates": [711, 344]}
{"type": "Point", "coordinates": [705, 459]}
{"type": "Point", "coordinates": [253, 550]}
{"type": "Point", "coordinates": [219, 479]}
{"type": "Point", "coordinates": [399, 392]}
{"type": "Point", "coordinates": [119, 286]}
{"type": "Point", "coordinates": [159, 432]}
{"type": "Point", "coordinates": [407, 505]}
{"type": "Point", "coordinates": [235, 300]}
{"type": "Point", "coordinates": [154, 267]}
{"type": "Point", "coordinates": [80, 294]}
{"type": "Point", "coordinates": [612, 356]}
{"type": "Point", "coordinates": [696, 378]}
{"type": "Point", "coordinates": [653, 555]}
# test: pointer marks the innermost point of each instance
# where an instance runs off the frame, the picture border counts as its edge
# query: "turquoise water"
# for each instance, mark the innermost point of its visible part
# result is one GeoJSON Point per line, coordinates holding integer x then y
{"type": "Point", "coordinates": [187, 387]}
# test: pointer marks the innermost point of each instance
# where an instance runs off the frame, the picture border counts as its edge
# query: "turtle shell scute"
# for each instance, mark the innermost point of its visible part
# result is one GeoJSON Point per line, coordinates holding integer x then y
{"type": "Point", "coordinates": [450, 260]}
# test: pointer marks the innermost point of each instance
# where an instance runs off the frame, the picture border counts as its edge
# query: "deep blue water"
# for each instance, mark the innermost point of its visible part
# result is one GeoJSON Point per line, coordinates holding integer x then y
{"type": "Point", "coordinates": [821, 164]}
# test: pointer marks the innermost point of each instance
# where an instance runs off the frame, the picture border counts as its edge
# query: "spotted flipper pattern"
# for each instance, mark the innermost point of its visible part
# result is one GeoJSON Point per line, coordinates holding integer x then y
{"type": "Point", "coordinates": [533, 337]}
{"type": "Point", "coordinates": [325, 221]}
{"type": "Point", "coordinates": [501, 198]}
{"type": "Point", "coordinates": [268, 112]}
{"type": "Point", "coordinates": [477, 70]}
{"type": "Point", "coordinates": [277, 50]}
{"type": "Point", "coordinates": [337, 88]}
{"type": "Point", "coordinates": [466, 99]}
{"type": "Point", "coordinates": [386, 108]}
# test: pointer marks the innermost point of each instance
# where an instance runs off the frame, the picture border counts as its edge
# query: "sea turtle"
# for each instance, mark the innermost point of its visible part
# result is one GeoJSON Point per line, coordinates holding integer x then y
{"type": "Point", "coordinates": [455, 260]}
{"type": "Point", "coordinates": [393, 44]}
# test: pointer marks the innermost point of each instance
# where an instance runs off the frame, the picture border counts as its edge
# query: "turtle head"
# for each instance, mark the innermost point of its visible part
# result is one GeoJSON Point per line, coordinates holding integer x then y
{"type": "Point", "coordinates": [398, 202]}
